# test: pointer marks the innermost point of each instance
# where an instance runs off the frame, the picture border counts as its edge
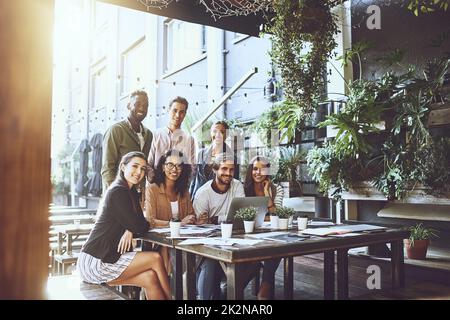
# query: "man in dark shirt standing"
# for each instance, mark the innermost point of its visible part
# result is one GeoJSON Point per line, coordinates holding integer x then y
{"type": "Point", "coordinates": [126, 136]}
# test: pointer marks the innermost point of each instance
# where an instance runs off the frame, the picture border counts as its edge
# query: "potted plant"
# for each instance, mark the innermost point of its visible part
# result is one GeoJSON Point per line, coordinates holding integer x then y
{"type": "Point", "coordinates": [284, 213]}
{"type": "Point", "coordinates": [248, 215]}
{"type": "Point", "coordinates": [288, 173]}
{"type": "Point", "coordinates": [419, 239]}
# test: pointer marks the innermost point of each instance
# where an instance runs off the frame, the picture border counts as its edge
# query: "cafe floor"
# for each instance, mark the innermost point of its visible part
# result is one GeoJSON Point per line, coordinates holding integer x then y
{"type": "Point", "coordinates": [421, 283]}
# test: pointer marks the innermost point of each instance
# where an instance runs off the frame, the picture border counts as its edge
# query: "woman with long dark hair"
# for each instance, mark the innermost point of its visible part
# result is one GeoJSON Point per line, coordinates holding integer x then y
{"type": "Point", "coordinates": [103, 258]}
{"type": "Point", "coordinates": [258, 183]}
{"type": "Point", "coordinates": [167, 198]}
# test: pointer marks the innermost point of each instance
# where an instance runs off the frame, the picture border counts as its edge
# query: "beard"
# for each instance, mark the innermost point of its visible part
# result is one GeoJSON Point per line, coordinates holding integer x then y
{"type": "Point", "coordinates": [222, 179]}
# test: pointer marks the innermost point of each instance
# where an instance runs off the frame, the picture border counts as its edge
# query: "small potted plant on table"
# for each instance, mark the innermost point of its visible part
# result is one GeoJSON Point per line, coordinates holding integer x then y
{"type": "Point", "coordinates": [419, 239]}
{"type": "Point", "coordinates": [284, 213]}
{"type": "Point", "coordinates": [248, 215]}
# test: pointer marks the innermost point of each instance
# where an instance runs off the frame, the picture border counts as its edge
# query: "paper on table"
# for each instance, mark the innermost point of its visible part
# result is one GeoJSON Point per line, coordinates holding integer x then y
{"type": "Point", "coordinates": [324, 231]}
{"type": "Point", "coordinates": [343, 235]}
{"type": "Point", "coordinates": [342, 229]}
{"type": "Point", "coordinates": [263, 235]}
{"type": "Point", "coordinates": [320, 223]}
{"type": "Point", "coordinates": [220, 241]}
{"type": "Point", "coordinates": [184, 230]}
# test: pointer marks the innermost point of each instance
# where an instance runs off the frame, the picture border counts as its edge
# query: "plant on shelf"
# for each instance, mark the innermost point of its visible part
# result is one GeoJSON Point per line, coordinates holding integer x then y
{"type": "Point", "coordinates": [383, 137]}
{"type": "Point", "coordinates": [418, 241]}
{"type": "Point", "coordinates": [246, 214]}
{"type": "Point", "coordinates": [358, 118]}
{"type": "Point", "coordinates": [289, 169]}
{"type": "Point", "coordinates": [303, 40]}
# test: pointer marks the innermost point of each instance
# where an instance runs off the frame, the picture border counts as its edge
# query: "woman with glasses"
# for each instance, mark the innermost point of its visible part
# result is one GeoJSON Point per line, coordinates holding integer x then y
{"type": "Point", "coordinates": [167, 198]}
{"type": "Point", "coordinates": [258, 183]}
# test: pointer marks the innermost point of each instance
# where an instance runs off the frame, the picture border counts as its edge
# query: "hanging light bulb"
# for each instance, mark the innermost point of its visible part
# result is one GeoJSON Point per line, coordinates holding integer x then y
{"type": "Point", "coordinates": [156, 84]}
{"type": "Point", "coordinates": [229, 101]}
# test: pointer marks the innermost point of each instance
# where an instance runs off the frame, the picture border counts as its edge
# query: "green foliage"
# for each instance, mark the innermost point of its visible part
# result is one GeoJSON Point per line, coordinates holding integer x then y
{"type": "Point", "coordinates": [357, 119]}
{"type": "Point", "coordinates": [419, 232]}
{"type": "Point", "coordinates": [334, 172]}
{"type": "Point", "coordinates": [246, 214]}
{"type": "Point", "coordinates": [395, 178]}
{"type": "Point", "coordinates": [303, 39]}
{"type": "Point", "coordinates": [433, 162]}
{"type": "Point", "coordinates": [427, 6]}
{"type": "Point", "coordinates": [267, 122]}
{"type": "Point", "coordinates": [401, 156]}
{"type": "Point", "coordinates": [289, 166]}
{"type": "Point", "coordinates": [284, 212]}
{"type": "Point", "coordinates": [354, 54]}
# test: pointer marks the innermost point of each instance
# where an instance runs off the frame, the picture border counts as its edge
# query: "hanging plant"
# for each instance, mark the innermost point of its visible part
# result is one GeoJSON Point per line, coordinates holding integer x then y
{"type": "Point", "coordinates": [303, 39]}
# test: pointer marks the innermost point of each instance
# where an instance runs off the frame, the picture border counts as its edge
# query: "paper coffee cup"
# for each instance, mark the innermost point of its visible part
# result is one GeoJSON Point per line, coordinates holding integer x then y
{"type": "Point", "coordinates": [302, 223]}
{"type": "Point", "coordinates": [174, 228]}
{"type": "Point", "coordinates": [227, 230]}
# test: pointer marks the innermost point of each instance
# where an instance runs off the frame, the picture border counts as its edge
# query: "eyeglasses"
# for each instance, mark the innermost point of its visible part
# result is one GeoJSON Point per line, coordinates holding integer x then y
{"type": "Point", "coordinates": [171, 166]}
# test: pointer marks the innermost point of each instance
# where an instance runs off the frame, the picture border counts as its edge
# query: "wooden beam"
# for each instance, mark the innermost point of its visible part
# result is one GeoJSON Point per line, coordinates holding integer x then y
{"type": "Point", "coordinates": [26, 33]}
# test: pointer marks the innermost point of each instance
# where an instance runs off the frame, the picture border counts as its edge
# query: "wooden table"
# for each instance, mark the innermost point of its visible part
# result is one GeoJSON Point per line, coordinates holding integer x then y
{"type": "Point", "coordinates": [237, 258]}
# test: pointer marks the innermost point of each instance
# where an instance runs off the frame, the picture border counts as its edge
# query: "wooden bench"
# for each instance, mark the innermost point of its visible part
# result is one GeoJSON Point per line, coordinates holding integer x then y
{"type": "Point", "coordinates": [71, 287]}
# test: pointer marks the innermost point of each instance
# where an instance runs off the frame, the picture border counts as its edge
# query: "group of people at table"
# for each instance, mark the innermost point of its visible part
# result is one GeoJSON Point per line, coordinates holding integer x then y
{"type": "Point", "coordinates": [148, 180]}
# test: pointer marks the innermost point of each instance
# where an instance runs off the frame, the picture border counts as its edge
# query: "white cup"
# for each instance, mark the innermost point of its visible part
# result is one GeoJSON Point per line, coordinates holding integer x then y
{"type": "Point", "coordinates": [227, 230]}
{"type": "Point", "coordinates": [77, 223]}
{"type": "Point", "coordinates": [274, 220]}
{"type": "Point", "coordinates": [302, 223]}
{"type": "Point", "coordinates": [175, 228]}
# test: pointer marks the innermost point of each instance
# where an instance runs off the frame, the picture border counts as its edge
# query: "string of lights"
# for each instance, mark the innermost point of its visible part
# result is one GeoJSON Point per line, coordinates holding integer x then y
{"type": "Point", "coordinates": [249, 98]}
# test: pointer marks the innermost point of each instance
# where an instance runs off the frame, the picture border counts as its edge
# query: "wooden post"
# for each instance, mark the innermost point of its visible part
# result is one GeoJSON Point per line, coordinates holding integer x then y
{"type": "Point", "coordinates": [26, 33]}
{"type": "Point", "coordinates": [328, 275]}
{"type": "Point", "coordinates": [288, 278]}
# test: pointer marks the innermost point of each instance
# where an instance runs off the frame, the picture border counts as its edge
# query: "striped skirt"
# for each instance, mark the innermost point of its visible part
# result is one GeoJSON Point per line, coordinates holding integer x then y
{"type": "Point", "coordinates": [93, 270]}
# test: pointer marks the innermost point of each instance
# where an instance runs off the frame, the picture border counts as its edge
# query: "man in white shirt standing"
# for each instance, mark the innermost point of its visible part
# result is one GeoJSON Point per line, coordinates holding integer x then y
{"type": "Point", "coordinates": [211, 204]}
{"type": "Point", "coordinates": [172, 137]}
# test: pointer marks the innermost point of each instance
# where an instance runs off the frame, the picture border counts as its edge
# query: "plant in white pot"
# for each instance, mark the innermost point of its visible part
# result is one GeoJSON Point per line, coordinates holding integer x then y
{"type": "Point", "coordinates": [247, 214]}
{"type": "Point", "coordinates": [284, 213]}
{"type": "Point", "coordinates": [419, 239]}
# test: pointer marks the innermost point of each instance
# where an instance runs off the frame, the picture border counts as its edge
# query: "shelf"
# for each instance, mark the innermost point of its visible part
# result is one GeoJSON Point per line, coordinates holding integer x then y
{"type": "Point", "coordinates": [439, 115]}
{"type": "Point", "coordinates": [367, 192]}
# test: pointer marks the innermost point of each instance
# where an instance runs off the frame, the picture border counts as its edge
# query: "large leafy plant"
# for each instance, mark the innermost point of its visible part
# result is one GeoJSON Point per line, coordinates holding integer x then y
{"type": "Point", "coordinates": [408, 156]}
